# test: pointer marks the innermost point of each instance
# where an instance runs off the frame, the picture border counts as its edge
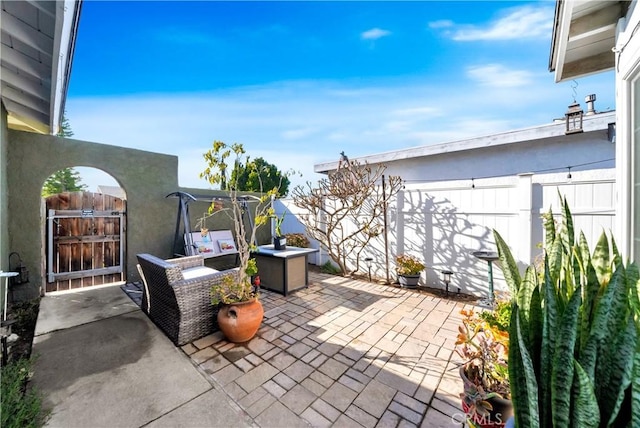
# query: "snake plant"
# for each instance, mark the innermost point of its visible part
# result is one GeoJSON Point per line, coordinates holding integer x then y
{"type": "Point", "coordinates": [574, 356]}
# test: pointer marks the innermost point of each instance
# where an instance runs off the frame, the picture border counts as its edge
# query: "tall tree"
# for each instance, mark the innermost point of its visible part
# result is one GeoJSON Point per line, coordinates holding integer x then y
{"type": "Point", "coordinates": [345, 211]}
{"type": "Point", "coordinates": [259, 175]}
{"type": "Point", "coordinates": [67, 179]}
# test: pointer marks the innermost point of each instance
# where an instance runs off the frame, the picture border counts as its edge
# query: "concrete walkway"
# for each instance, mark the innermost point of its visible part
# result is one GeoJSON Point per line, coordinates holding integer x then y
{"type": "Point", "coordinates": [103, 363]}
{"type": "Point", "coordinates": [340, 353]}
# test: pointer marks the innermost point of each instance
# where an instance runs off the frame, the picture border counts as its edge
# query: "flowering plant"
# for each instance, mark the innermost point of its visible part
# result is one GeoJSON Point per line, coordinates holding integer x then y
{"type": "Point", "coordinates": [484, 344]}
{"type": "Point", "coordinates": [408, 265]}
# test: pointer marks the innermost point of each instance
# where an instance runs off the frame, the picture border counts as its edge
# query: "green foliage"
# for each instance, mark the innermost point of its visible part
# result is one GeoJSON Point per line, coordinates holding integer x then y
{"type": "Point", "coordinates": [407, 264]}
{"type": "Point", "coordinates": [65, 180]}
{"type": "Point", "coordinates": [278, 223]}
{"type": "Point", "coordinates": [582, 370]}
{"type": "Point", "coordinates": [330, 268]}
{"type": "Point", "coordinates": [21, 406]}
{"type": "Point", "coordinates": [258, 174]}
{"type": "Point", "coordinates": [298, 240]}
{"type": "Point", "coordinates": [500, 317]}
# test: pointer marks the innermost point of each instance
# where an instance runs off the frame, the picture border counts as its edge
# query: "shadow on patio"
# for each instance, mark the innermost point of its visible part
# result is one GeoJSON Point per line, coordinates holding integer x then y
{"type": "Point", "coordinates": [343, 353]}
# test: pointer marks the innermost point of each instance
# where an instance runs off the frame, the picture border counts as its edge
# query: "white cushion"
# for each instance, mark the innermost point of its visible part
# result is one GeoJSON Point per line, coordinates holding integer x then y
{"type": "Point", "coordinates": [196, 272]}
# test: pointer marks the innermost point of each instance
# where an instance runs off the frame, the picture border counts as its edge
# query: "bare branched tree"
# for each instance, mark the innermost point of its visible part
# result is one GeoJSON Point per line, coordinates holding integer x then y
{"type": "Point", "coordinates": [346, 209]}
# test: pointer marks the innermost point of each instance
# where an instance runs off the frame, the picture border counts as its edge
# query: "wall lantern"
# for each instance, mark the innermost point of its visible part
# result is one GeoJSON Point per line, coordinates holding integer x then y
{"type": "Point", "coordinates": [573, 118]}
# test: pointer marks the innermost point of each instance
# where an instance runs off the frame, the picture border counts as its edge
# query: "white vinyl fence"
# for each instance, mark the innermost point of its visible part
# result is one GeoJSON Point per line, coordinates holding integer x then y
{"type": "Point", "coordinates": [442, 223]}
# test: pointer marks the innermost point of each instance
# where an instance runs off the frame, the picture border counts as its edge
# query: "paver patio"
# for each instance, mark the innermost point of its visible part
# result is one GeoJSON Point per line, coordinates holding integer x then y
{"type": "Point", "coordinates": [343, 352]}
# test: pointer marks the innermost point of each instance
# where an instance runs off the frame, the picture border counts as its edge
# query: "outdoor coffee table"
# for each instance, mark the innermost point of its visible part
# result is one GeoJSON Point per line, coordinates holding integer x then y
{"type": "Point", "coordinates": [283, 271]}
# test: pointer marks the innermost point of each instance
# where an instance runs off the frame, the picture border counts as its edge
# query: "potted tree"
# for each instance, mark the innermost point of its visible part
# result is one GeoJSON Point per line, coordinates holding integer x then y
{"type": "Point", "coordinates": [241, 312]}
{"type": "Point", "coordinates": [574, 358]}
{"type": "Point", "coordinates": [408, 268]}
{"type": "Point", "coordinates": [483, 342]}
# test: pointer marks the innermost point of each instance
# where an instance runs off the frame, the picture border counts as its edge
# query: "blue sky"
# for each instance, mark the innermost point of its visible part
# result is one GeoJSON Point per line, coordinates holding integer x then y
{"type": "Point", "coordinates": [299, 82]}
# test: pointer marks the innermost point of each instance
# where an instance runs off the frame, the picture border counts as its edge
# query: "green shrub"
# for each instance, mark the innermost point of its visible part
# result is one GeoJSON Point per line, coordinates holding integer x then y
{"type": "Point", "coordinates": [500, 317]}
{"type": "Point", "coordinates": [330, 268]}
{"type": "Point", "coordinates": [298, 240]}
{"type": "Point", "coordinates": [21, 406]}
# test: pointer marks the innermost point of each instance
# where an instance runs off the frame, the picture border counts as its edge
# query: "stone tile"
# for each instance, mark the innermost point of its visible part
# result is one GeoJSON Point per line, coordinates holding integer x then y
{"type": "Point", "coordinates": [259, 406]}
{"type": "Point", "coordinates": [388, 420]}
{"type": "Point", "coordinates": [282, 361]}
{"type": "Point", "coordinates": [298, 371]}
{"type": "Point", "coordinates": [310, 356]}
{"type": "Point", "coordinates": [235, 391]}
{"type": "Point", "coordinates": [344, 360]}
{"type": "Point", "coordinates": [270, 334]}
{"type": "Point", "coordinates": [244, 365]}
{"type": "Point", "coordinates": [405, 412]}
{"type": "Point", "coordinates": [333, 368]}
{"type": "Point", "coordinates": [298, 350]}
{"type": "Point", "coordinates": [360, 416]}
{"type": "Point", "coordinates": [410, 402]}
{"type": "Point", "coordinates": [445, 407]}
{"type": "Point", "coordinates": [319, 360]}
{"type": "Point", "coordinates": [339, 396]}
{"type": "Point", "coordinates": [284, 381]}
{"type": "Point", "coordinates": [435, 419]}
{"type": "Point", "coordinates": [203, 355]}
{"type": "Point", "coordinates": [315, 419]}
{"type": "Point", "coordinates": [259, 346]}
{"type": "Point", "coordinates": [326, 409]}
{"type": "Point", "coordinates": [351, 383]}
{"type": "Point", "coordinates": [406, 424]}
{"type": "Point", "coordinates": [397, 381]}
{"type": "Point", "coordinates": [298, 399]}
{"type": "Point", "coordinates": [286, 327]}
{"type": "Point", "coordinates": [256, 377]}
{"type": "Point", "coordinates": [299, 333]}
{"type": "Point", "coordinates": [227, 374]}
{"type": "Point", "coordinates": [314, 386]}
{"type": "Point", "coordinates": [375, 398]}
{"type": "Point", "coordinates": [255, 395]}
{"type": "Point", "coordinates": [329, 349]}
{"type": "Point", "coordinates": [322, 379]}
{"type": "Point", "coordinates": [209, 340]}
{"type": "Point", "coordinates": [236, 353]}
{"type": "Point", "coordinates": [269, 355]}
{"type": "Point", "coordinates": [345, 421]}
{"type": "Point", "coordinates": [214, 364]}
{"type": "Point", "coordinates": [360, 377]}
{"type": "Point", "coordinates": [188, 349]}
{"type": "Point", "coordinates": [278, 415]}
{"type": "Point", "coordinates": [254, 359]}
{"type": "Point", "coordinates": [288, 339]}
{"type": "Point", "coordinates": [274, 389]}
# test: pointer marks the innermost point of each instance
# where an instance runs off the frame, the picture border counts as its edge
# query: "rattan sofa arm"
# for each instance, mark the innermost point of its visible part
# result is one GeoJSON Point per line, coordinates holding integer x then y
{"type": "Point", "coordinates": [187, 262]}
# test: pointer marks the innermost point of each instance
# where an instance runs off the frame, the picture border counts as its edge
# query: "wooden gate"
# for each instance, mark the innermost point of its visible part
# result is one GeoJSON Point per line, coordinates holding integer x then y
{"type": "Point", "coordinates": [85, 240]}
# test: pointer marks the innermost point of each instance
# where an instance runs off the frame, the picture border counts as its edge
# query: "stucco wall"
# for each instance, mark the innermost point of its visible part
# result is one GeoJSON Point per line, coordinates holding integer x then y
{"type": "Point", "coordinates": [146, 177]}
{"type": "Point", "coordinates": [4, 200]}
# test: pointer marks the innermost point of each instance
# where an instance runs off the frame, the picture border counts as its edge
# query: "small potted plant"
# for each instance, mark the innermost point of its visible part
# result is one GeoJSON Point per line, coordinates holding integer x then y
{"type": "Point", "coordinates": [279, 240]}
{"type": "Point", "coordinates": [483, 341]}
{"type": "Point", "coordinates": [408, 268]}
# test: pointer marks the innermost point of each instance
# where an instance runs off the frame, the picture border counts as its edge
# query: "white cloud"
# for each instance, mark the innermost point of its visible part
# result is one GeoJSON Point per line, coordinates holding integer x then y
{"type": "Point", "coordinates": [374, 34]}
{"type": "Point", "coordinates": [443, 23]}
{"type": "Point", "coordinates": [523, 22]}
{"type": "Point", "coordinates": [497, 75]}
{"type": "Point", "coordinates": [323, 118]}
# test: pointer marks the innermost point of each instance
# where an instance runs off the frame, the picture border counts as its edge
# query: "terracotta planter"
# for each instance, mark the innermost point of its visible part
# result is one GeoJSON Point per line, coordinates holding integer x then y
{"type": "Point", "coordinates": [497, 418]}
{"type": "Point", "coordinates": [240, 321]}
{"type": "Point", "coordinates": [409, 281]}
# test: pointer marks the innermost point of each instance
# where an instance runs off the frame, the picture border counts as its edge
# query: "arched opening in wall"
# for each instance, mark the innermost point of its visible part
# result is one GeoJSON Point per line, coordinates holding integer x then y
{"type": "Point", "coordinates": [83, 230]}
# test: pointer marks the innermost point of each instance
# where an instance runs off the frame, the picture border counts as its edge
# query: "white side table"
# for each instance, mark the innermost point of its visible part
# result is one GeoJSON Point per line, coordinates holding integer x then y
{"type": "Point", "coordinates": [6, 276]}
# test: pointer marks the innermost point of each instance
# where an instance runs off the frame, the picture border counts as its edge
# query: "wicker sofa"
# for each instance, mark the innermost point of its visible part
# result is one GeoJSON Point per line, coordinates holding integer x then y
{"type": "Point", "coordinates": [177, 295]}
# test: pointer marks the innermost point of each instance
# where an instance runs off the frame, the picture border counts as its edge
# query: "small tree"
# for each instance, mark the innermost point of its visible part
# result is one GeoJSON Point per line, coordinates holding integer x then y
{"type": "Point", "coordinates": [345, 211]}
{"type": "Point", "coordinates": [258, 175]}
{"type": "Point", "coordinates": [67, 179]}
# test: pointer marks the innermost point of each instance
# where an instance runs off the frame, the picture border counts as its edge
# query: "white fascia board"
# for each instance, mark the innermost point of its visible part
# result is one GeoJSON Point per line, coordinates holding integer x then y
{"type": "Point", "coordinates": [562, 40]}
{"type": "Point", "coordinates": [67, 17]}
{"type": "Point", "coordinates": [597, 122]}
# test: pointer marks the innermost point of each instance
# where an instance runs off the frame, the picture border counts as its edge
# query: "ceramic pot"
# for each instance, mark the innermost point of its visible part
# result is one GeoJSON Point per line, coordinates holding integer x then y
{"type": "Point", "coordinates": [408, 280]}
{"type": "Point", "coordinates": [279, 243]}
{"type": "Point", "coordinates": [240, 321]}
{"type": "Point", "coordinates": [497, 418]}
